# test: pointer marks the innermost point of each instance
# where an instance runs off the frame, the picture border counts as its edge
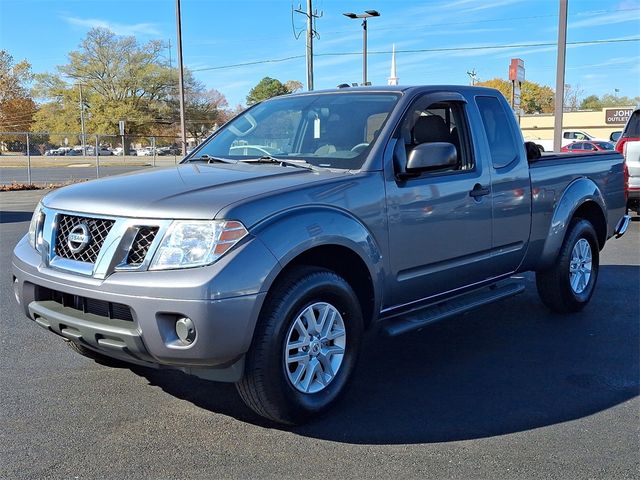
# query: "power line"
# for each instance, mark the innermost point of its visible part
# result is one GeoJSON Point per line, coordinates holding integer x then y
{"type": "Point", "coordinates": [420, 50]}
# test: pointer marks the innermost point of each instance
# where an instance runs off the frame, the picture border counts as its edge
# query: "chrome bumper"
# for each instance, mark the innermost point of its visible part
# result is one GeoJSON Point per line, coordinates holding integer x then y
{"type": "Point", "coordinates": [622, 226]}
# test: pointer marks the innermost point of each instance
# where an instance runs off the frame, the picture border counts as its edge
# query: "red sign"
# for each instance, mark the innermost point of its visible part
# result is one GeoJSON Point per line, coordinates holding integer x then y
{"type": "Point", "coordinates": [516, 70]}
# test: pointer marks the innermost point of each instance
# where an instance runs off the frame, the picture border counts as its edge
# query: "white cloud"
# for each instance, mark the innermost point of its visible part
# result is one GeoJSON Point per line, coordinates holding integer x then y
{"type": "Point", "coordinates": [606, 19]}
{"type": "Point", "coordinates": [117, 28]}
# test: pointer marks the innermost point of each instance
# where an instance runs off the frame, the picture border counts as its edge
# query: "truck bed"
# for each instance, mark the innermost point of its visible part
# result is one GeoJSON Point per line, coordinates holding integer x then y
{"type": "Point", "coordinates": [553, 173]}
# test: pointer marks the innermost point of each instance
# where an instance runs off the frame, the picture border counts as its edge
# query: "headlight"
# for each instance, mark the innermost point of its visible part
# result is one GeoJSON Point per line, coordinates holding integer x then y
{"type": "Point", "coordinates": [35, 227]}
{"type": "Point", "coordinates": [192, 243]}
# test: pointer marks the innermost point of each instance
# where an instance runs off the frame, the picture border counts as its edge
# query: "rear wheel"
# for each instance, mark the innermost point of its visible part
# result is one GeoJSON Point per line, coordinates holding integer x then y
{"type": "Point", "coordinates": [305, 346]}
{"type": "Point", "coordinates": [568, 286]}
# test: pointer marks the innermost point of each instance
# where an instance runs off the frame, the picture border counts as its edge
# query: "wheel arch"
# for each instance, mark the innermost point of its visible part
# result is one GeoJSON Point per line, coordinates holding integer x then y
{"type": "Point", "coordinates": [581, 199]}
{"type": "Point", "coordinates": [332, 239]}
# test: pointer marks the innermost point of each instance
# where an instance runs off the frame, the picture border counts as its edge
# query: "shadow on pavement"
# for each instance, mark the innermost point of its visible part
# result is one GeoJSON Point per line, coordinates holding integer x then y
{"type": "Point", "coordinates": [15, 217]}
{"type": "Point", "coordinates": [504, 368]}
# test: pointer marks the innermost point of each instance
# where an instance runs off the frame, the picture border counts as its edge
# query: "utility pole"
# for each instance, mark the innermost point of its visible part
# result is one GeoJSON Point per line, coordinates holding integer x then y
{"type": "Point", "coordinates": [311, 16]}
{"type": "Point", "coordinates": [472, 75]}
{"type": "Point", "coordinates": [562, 50]}
{"type": "Point", "coordinates": [84, 149]}
{"type": "Point", "coordinates": [183, 129]}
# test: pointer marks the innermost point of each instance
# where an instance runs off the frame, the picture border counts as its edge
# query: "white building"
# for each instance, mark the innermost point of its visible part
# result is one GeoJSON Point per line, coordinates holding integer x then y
{"type": "Point", "coordinates": [393, 78]}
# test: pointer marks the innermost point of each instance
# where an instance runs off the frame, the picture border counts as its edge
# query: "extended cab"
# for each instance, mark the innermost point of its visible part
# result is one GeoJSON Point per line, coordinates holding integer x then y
{"type": "Point", "coordinates": [306, 220]}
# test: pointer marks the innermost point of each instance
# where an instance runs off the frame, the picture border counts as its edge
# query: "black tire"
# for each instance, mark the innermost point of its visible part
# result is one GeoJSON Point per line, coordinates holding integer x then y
{"type": "Point", "coordinates": [554, 286]}
{"type": "Point", "coordinates": [265, 386]}
{"type": "Point", "coordinates": [87, 352]}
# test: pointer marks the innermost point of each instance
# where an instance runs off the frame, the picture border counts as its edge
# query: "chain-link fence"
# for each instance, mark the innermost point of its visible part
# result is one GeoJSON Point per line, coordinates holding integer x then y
{"type": "Point", "coordinates": [53, 158]}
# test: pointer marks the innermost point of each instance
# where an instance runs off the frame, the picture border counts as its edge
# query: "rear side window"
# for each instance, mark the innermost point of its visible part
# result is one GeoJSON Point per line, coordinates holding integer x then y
{"type": "Point", "coordinates": [633, 127]}
{"type": "Point", "coordinates": [498, 131]}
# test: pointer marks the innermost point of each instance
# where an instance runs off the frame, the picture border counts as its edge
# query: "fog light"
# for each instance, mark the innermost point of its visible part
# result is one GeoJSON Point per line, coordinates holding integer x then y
{"type": "Point", "coordinates": [185, 330]}
{"type": "Point", "coordinates": [16, 289]}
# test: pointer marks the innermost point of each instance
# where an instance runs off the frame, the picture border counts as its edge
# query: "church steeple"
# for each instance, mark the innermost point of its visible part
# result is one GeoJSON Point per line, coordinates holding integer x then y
{"type": "Point", "coordinates": [393, 78]}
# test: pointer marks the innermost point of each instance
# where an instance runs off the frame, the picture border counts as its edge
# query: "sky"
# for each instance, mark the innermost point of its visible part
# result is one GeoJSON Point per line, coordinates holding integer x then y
{"type": "Point", "coordinates": [436, 42]}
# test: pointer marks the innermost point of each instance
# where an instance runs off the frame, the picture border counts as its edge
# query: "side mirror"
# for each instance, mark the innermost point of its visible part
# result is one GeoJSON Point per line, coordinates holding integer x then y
{"type": "Point", "coordinates": [434, 155]}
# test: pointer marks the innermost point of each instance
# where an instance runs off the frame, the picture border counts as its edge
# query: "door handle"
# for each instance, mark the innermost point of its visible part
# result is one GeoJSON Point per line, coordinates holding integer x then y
{"type": "Point", "coordinates": [479, 191]}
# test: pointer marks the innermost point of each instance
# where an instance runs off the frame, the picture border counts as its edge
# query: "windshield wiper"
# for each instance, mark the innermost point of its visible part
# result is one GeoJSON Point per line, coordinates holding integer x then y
{"type": "Point", "coordinates": [209, 159]}
{"type": "Point", "coordinates": [283, 162]}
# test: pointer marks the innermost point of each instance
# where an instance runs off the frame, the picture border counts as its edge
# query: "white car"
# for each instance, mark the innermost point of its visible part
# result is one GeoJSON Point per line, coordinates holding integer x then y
{"type": "Point", "coordinates": [568, 136]}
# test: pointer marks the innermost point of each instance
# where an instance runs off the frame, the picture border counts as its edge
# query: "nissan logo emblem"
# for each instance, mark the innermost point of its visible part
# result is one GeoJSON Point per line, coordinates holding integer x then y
{"type": "Point", "coordinates": [79, 238]}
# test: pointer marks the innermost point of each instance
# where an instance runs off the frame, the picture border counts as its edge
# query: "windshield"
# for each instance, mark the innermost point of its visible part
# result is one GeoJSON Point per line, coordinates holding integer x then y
{"type": "Point", "coordinates": [328, 130]}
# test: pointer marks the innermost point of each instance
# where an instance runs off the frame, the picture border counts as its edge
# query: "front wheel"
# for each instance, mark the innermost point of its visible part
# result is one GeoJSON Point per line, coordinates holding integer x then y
{"type": "Point", "coordinates": [305, 346]}
{"type": "Point", "coordinates": [568, 286]}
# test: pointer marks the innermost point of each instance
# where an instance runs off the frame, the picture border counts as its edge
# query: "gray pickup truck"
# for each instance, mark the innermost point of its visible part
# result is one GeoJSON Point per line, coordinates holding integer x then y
{"type": "Point", "coordinates": [265, 255]}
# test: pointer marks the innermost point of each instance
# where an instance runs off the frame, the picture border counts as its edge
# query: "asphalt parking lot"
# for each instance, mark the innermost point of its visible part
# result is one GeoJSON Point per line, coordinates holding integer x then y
{"type": "Point", "coordinates": [507, 391]}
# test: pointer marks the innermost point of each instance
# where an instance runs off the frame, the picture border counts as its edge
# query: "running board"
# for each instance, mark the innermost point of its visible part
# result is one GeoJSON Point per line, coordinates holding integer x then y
{"type": "Point", "coordinates": [449, 308]}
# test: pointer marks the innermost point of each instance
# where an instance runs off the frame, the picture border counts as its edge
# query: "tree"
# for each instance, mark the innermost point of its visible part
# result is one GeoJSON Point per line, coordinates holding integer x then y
{"type": "Point", "coordinates": [205, 110]}
{"type": "Point", "coordinates": [16, 105]}
{"type": "Point", "coordinates": [593, 102]}
{"type": "Point", "coordinates": [270, 87]}
{"type": "Point", "coordinates": [572, 94]}
{"type": "Point", "coordinates": [293, 85]}
{"type": "Point", "coordinates": [534, 98]}
{"type": "Point", "coordinates": [121, 79]}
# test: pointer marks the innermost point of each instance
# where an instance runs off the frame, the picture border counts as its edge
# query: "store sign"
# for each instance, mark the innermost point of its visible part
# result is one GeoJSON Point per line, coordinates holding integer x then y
{"type": "Point", "coordinates": [617, 116]}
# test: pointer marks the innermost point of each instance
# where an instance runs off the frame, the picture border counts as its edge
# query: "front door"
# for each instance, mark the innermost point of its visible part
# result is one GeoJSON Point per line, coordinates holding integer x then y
{"type": "Point", "coordinates": [440, 221]}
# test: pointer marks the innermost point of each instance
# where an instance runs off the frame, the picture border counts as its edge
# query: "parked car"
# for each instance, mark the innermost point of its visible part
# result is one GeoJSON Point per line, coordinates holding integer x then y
{"type": "Point", "coordinates": [588, 147]}
{"type": "Point", "coordinates": [629, 146]}
{"type": "Point", "coordinates": [168, 151]}
{"type": "Point", "coordinates": [102, 151]}
{"type": "Point", "coordinates": [252, 150]}
{"type": "Point", "coordinates": [393, 207]}
{"type": "Point", "coordinates": [145, 152]}
{"type": "Point", "coordinates": [568, 136]}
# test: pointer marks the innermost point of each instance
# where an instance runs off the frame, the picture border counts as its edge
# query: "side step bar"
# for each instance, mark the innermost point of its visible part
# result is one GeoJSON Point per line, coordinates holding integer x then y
{"type": "Point", "coordinates": [449, 308]}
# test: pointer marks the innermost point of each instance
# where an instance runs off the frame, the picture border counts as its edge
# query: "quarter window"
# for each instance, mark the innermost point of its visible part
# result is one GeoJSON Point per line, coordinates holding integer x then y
{"type": "Point", "coordinates": [498, 130]}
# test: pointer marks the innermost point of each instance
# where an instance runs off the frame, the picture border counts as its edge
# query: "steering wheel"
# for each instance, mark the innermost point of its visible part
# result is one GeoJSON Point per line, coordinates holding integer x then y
{"type": "Point", "coordinates": [359, 147]}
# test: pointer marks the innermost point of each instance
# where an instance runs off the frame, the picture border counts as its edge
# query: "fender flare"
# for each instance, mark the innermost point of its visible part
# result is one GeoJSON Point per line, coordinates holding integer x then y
{"type": "Point", "coordinates": [578, 192]}
{"type": "Point", "coordinates": [292, 232]}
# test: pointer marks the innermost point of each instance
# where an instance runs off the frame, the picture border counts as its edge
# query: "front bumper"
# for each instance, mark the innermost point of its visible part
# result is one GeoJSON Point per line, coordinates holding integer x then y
{"type": "Point", "coordinates": [224, 319]}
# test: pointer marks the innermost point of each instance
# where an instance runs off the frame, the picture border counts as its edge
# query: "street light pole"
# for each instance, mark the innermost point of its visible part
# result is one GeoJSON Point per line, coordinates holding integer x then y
{"type": "Point", "coordinates": [364, 51]}
{"type": "Point", "coordinates": [183, 129]}
{"type": "Point", "coordinates": [364, 16]}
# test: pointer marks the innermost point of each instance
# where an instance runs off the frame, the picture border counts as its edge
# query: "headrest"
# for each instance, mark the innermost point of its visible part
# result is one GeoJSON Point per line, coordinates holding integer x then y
{"type": "Point", "coordinates": [430, 128]}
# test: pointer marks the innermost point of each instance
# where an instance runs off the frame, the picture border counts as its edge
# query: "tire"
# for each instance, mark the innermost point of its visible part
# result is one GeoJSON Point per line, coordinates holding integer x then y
{"type": "Point", "coordinates": [277, 386]}
{"type": "Point", "coordinates": [98, 357]}
{"type": "Point", "coordinates": [555, 286]}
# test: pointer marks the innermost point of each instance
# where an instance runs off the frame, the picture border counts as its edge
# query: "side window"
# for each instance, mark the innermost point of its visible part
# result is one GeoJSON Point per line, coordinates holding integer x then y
{"type": "Point", "coordinates": [499, 134]}
{"type": "Point", "coordinates": [569, 135]}
{"type": "Point", "coordinates": [439, 122]}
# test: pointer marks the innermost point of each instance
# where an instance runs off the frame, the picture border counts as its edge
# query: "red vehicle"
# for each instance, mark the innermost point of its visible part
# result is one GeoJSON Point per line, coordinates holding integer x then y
{"type": "Point", "coordinates": [588, 147]}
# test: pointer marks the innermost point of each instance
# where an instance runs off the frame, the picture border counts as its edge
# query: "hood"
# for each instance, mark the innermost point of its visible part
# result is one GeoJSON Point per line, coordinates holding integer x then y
{"type": "Point", "coordinates": [187, 191]}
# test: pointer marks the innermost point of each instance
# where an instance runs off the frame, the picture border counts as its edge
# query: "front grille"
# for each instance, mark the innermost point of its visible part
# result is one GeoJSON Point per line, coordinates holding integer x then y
{"type": "Point", "coordinates": [140, 246]}
{"type": "Point", "coordinates": [114, 311]}
{"type": "Point", "coordinates": [98, 230]}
